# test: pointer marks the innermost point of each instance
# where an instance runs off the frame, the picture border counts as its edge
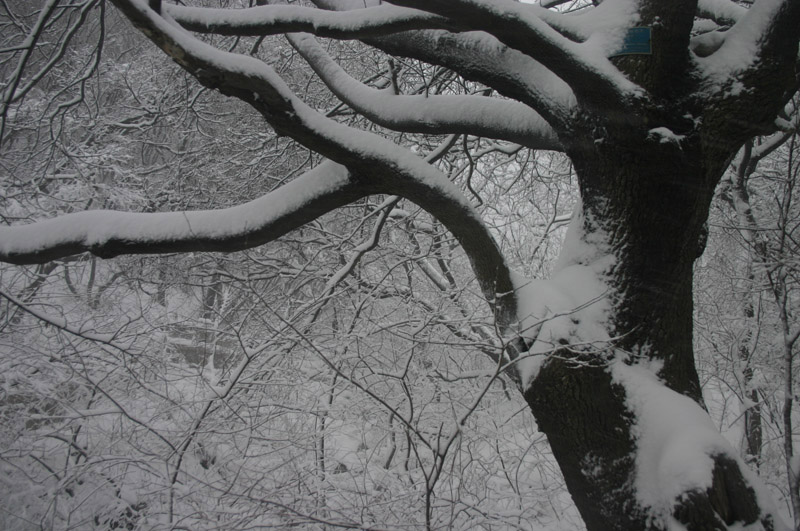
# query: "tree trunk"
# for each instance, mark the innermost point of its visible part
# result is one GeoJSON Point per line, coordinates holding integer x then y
{"type": "Point", "coordinates": [645, 204]}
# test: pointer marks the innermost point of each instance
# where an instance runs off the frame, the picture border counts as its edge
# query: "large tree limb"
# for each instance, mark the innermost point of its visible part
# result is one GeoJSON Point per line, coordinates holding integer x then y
{"type": "Point", "coordinates": [349, 21]}
{"type": "Point", "coordinates": [723, 12]}
{"type": "Point", "coordinates": [765, 34]}
{"type": "Point", "coordinates": [480, 57]}
{"type": "Point", "coordinates": [443, 114]}
{"type": "Point", "coordinates": [361, 22]}
{"type": "Point", "coordinates": [584, 66]}
{"type": "Point", "coordinates": [107, 233]}
{"type": "Point", "coordinates": [272, 20]}
{"type": "Point", "coordinates": [375, 165]}
{"type": "Point", "coordinates": [751, 74]}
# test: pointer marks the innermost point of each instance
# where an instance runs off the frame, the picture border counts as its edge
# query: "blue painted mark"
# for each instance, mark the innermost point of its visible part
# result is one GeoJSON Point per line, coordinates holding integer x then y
{"type": "Point", "coordinates": [637, 41]}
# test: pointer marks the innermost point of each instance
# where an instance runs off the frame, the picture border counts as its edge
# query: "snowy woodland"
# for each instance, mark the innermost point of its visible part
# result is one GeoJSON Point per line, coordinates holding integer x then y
{"type": "Point", "coordinates": [407, 264]}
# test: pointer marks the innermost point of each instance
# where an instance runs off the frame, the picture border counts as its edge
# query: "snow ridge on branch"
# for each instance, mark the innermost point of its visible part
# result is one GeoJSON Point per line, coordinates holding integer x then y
{"type": "Point", "coordinates": [440, 114]}
{"type": "Point", "coordinates": [584, 66]}
{"type": "Point", "coordinates": [272, 20]}
{"type": "Point", "coordinates": [375, 166]}
{"type": "Point", "coordinates": [107, 233]}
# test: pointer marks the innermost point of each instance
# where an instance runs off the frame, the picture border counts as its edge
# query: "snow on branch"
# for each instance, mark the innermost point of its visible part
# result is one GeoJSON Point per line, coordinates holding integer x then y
{"type": "Point", "coordinates": [583, 65]}
{"type": "Point", "coordinates": [680, 452]}
{"type": "Point", "coordinates": [442, 114]}
{"type": "Point", "coordinates": [375, 165]}
{"type": "Point", "coordinates": [723, 12]}
{"type": "Point", "coordinates": [268, 20]}
{"type": "Point", "coordinates": [763, 36]}
{"type": "Point", "coordinates": [480, 57]}
{"type": "Point", "coordinates": [108, 233]}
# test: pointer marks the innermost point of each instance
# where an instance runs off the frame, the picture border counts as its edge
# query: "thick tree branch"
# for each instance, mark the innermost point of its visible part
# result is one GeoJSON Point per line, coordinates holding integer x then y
{"type": "Point", "coordinates": [764, 35]}
{"type": "Point", "coordinates": [481, 57]}
{"type": "Point", "coordinates": [723, 12]}
{"type": "Point", "coordinates": [751, 75]}
{"type": "Point", "coordinates": [473, 115]}
{"type": "Point", "coordinates": [375, 164]}
{"type": "Point", "coordinates": [271, 20]}
{"type": "Point", "coordinates": [353, 22]}
{"type": "Point", "coordinates": [584, 66]}
{"type": "Point", "coordinates": [107, 233]}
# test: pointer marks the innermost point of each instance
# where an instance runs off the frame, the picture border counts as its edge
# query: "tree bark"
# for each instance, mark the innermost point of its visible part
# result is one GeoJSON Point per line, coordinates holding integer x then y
{"type": "Point", "coordinates": [648, 202]}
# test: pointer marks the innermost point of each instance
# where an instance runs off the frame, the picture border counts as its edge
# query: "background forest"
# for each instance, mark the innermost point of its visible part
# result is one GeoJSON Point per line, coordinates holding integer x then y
{"type": "Point", "coordinates": [339, 376]}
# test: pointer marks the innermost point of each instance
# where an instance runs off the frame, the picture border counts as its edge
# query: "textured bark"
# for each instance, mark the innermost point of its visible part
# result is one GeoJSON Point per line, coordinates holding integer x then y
{"type": "Point", "coordinates": [585, 420]}
{"type": "Point", "coordinates": [649, 196]}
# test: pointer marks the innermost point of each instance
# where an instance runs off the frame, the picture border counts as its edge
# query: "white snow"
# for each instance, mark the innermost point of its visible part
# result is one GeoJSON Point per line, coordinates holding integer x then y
{"type": "Point", "coordinates": [356, 20]}
{"type": "Point", "coordinates": [740, 47]}
{"type": "Point", "coordinates": [491, 116]}
{"type": "Point", "coordinates": [96, 227]}
{"type": "Point", "coordinates": [571, 306]}
{"type": "Point", "coordinates": [665, 135]}
{"type": "Point", "coordinates": [676, 439]}
{"type": "Point", "coordinates": [611, 18]}
{"type": "Point", "coordinates": [604, 29]}
{"type": "Point", "coordinates": [362, 145]}
{"type": "Point", "coordinates": [722, 8]}
{"type": "Point", "coordinates": [676, 442]}
{"type": "Point", "coordinates": [604, 24]}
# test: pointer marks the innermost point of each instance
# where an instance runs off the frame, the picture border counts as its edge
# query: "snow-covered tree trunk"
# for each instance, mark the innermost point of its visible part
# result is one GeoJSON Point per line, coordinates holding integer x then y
{"type": "Point", "coordinates": [627, 422]}
{"type": "Point", "coordinates": [625, 418]}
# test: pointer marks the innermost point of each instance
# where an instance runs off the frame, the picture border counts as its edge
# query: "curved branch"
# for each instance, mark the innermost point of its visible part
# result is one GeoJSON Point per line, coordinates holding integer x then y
{"type": "Point", "coordinates": [763, 34]}
{"type": "Point", "coordinates": [482, 58]}
{"type": "Point", "coordinates": [757, 60]}
{"type": "Point", "coordinates": [487, 117]}
{"type": "Point", "coordinates": [354, 22]}
{"type": "Point", "coordinates": [722, 12]}
{"type": "Point", "coordinates": [479, 57]}
{"type": "Point", "coordinates": [376, 165]}
{"type": "Point", "coordinates": [271, 20]}
{"type": "Point", "coordinates": [584, 66]}
{"type": "Point", "coordinates": [107, 233]}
